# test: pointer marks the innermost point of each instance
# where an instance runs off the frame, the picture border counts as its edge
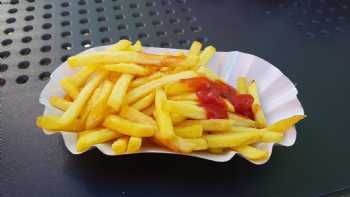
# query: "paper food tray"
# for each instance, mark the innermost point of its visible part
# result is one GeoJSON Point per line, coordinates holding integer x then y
{"type": "Point", "coordinates": [278, 98]}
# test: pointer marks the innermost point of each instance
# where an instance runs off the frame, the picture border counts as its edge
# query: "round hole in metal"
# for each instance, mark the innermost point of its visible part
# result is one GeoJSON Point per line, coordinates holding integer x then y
{"type": "Point", "coordinates": [26, 39]}
{"type": "Point", "coordinates": [45, 61]}
{"type": "Point", "coordinates": [86, 43]}
{"type": "Point", "coordinates": [67, 46]}
{"type": "Point", "coordinates": [6, 42]}
{"type": "Point", "coordinates": [28, 28]}
{"type": "Point", "coordinates": [46, 37]}
{"type": "Point", "coordinates": [22, 79]}
{"type": "Point", "coordinates": [3, 67]}
{"type": "Point", "coordinates": [4, 54]}
{"type": "Point", "coordinates": [23, 65]}
{"type": "Point", "coordinates": [29, 18]}
{"type": "Point", "coordinates": [44, 76]}
{"type": "Point", "coordinates": [45, 48]}
{"type": "Point", "coordinates": [65, 34]}
{"type": "Point", "coordinates": [25, 51]}
{"type": "Point", "coordinates": [9, 31]}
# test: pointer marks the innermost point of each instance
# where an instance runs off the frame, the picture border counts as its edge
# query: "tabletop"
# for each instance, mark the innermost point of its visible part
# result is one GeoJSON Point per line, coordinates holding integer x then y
{"type": "Point", "coordinates": [307, 40]}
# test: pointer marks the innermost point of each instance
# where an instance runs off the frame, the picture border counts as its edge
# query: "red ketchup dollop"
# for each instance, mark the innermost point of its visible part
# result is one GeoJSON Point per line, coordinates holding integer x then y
{"type": "Point", "coordinates": [211, 94]}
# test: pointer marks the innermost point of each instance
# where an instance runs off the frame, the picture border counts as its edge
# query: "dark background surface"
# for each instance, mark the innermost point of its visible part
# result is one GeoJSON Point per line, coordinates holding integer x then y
{"type": "Point", "coordinates": [307, 40]}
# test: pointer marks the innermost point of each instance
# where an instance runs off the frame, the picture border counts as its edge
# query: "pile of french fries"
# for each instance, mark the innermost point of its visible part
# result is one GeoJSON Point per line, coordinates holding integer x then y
{"type": "Point", "coordinates": [127, 97]}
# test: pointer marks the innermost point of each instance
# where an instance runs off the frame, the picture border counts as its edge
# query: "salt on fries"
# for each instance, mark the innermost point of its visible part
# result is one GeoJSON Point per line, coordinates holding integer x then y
{"type": "Point", "coordinates": [127, 97]}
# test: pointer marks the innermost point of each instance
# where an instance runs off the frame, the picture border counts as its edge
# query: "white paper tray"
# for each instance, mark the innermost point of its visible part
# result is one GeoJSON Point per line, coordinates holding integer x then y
{"type": "Point", "coordinates": [278, 97]}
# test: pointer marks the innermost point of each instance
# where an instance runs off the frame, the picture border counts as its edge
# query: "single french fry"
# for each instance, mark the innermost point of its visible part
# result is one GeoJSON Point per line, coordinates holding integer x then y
{"type": "Point", "coordinates": [144, 102]}
{"type": "Point", "coordinates": [165, 125]}
{"type": "Point", "coordinates": [195, 48]}
{"type": "Point", "coordinates": [137, 46]}
{"type": "Point", "coordinates": [177, 89]}
{"type": "Point", "coordinates": [242, 85]}
{"type": "Point", "coordinates": [142, 80]}
{"type": "Point", "coordinates": [143, 90]}
{"type": "Point", "coordinates": [90, 103]}
{"type": "Point", "coordinates": [120, 145]}
{"type": "Point", "coordinates": [241, 121]}
{"type": "Point", "coordinates": [206, 72]}
{"type": "Point", "coordinates": [270, 136]}
{"type": "Point", "coordinates": [176, 144]}
{"type": "Point", "coordinates": [212, 125]}
{"type": "Point", "coordinates": [198, 144]}
{"type": "Point", "coordinates": [120, 45]}
{"type": "Point", "coordinates": [115, 57]}
{"type": "Point", "coordinates": [80, 78]}
{"type": "Point", "coordinates": [128, 68]}
{"type": "Point", "coordinates": [136, 116]}
{"type": "Point", "coordinates": [251, 152]}
{"type": "Point", "coordinates": [265, 135]}
{"type": "Point", "coordinates": [177, 118]}
{"type": "Point", "coordinates": [96, 136]}
{"type": "Point", "coordinates": [257, 110]}
{"type": "Point", "coordinates": [189, 62]}
{"type": "Point", "coordinates": [69, 87]}
{"type": "Point", "coordinates": [100, 109]}
{"type": "Point", "coordinates": [84, 132]}
{"type": "Point", "coordinates": [193, 131]}
{"type": "Point", "coordinates": [75, 109]}
{"type": "Point", "coordinates": [285, 124]}
{"type": "Point", "coordinates": [149, 110]}
{"type": "Point", "coordinates": [52, 123]}
{"type": "Point", "coordinates": [134, 144]}
{"type": "Point", "coordinates": [229, 106]}
{"type": "Point", "coordinates": [60, 103]}
{"type": "Point", "coordinates": [186, 96]}
{"type": "Point", "coordinates": [226, 140]}
{"type": "Point", "coordinates": [127, 127]}
{"type": "Point", "coordinates": [206, 55]}
{"type": "Point", "coordinates": [185, 109]}
{"type": "Point", "coordinates": [119, 91]}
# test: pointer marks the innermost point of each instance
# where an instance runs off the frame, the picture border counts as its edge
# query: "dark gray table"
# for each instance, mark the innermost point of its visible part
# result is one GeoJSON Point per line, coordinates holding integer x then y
{"type": "Point", "coordinates": [307, 40]}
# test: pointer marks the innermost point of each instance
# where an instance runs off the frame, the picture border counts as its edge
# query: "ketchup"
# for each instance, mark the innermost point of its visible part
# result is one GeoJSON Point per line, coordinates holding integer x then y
{"type": "Point", "coordinates": [211, 94]}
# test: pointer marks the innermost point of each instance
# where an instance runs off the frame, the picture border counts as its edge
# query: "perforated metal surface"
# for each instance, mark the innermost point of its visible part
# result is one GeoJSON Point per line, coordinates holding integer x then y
{"type": "Point", "coordinates": [36, 36]}
{"type": "Point", "coordinates": [307, 40]}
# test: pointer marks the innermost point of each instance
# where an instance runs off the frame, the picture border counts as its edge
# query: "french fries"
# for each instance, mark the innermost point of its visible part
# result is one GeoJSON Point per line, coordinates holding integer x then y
{"type": "Point", "coordinates": [258, 112]}
{"type": "Point", "coordinates": [69, 87]}
{"type": "Point", "coordinates": [206, 55]}
{"type": "Point", "coordinates": [143, 90]}
{"type": "Point", "coordinates": [185, 109]}
{"type": "Point", "coordinates": [100, 109]}
{"type": "Point", "coordinates": [136, 116]}
{"type": "Point", "coordinates": [242, 85]}
{"type": "Point", "coordinates": [144, 102]}
{"type": "Point", "coordinates": [77, 106]}
{"type": "Point", "coordinates": [212, 125]}
{"type": "Point", "coordinates": [128, 97]}
{"type": "Point", "coordinates": [52, 123]}
{"type": "Point", "coordinates": [251, 153]}
{"type": "Point", "coordinates": [119, 90]}
{"type": "Point", "coordinates": [134, 144]}
{"type": "Point", "coordinates": [127, 127]}
{"type": "Point", "coordinates": [93, 137]}
{"type": "Point", "coordinates": [120, 145]}
{"type": "Point", "coordinates": [165, 125]}
{"type": "Point", "coordinates": [193, 131]}
{"type": "Point", "coordinates": [226, 140]}
{"type": "Point", "coordinates": [60, 103]}
{"type": "Point", "coordinates": [128, 68]}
